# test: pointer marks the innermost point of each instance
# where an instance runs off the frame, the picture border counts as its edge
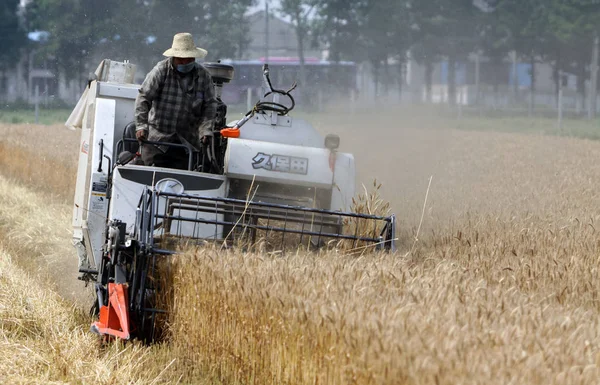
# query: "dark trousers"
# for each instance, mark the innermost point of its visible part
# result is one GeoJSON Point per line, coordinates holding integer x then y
{"type": "Point", "coordinates": [173, 157]}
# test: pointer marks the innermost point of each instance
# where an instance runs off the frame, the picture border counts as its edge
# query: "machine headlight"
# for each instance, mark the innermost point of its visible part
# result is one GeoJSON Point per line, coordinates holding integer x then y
{"type": "Point", "coordinates": [169, 185]}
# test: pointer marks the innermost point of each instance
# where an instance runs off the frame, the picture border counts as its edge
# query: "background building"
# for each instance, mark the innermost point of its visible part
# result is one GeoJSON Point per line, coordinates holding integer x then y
{"type": "Point", "coordinates": [276, 37]}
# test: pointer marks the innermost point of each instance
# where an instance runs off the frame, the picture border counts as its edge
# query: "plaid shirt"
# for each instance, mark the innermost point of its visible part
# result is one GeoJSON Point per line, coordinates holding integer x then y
{"type": "Point", "coordinates": [166, 110]}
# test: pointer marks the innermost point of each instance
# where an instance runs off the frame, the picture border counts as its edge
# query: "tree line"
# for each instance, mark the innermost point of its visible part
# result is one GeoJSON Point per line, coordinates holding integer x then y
{"type": "Point", "coordinates": [560, 32]}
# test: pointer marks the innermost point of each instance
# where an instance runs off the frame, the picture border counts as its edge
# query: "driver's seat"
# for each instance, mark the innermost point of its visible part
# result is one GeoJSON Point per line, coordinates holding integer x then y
{"type": "Point", "coordinates": [129, 133]}
{"type": "Point", "coordinates": [130, 148]}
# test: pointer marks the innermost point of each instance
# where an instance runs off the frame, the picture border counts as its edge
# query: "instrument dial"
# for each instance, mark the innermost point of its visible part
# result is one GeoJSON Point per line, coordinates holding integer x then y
{"type": "Point", "coordinates": [169, 185]}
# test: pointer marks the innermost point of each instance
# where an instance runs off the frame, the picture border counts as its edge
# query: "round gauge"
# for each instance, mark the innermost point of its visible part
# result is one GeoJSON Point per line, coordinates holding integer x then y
{"type": "Point", "coordinates": [169, 185]}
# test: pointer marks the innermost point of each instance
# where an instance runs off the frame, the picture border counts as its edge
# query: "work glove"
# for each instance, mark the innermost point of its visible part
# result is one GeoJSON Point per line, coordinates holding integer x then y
{"type": "Point", "coordinates": [205, 131]}
{"type": "Point", "coordinates": [141, 135]}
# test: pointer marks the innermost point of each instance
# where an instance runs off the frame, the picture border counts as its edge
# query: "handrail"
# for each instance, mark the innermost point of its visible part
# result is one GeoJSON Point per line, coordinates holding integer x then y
{"type": "Point", "coordinates": [188, 150]}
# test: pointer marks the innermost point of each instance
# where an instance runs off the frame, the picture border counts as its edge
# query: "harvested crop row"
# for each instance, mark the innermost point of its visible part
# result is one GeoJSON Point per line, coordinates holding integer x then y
{"type": "Point", "coordinates": [44, 340]}
{"type": "Point", "coordinates": [35, 228]}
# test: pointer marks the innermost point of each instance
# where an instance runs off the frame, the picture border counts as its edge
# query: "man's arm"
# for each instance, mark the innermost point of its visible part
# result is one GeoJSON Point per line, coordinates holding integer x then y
{"type": "Point", "coordinates": [209, 111]}
{"type": "Point", "coordinates": [143, 102]}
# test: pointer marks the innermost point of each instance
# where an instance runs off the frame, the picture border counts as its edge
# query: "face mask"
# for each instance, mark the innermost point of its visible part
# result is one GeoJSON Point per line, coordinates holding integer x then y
{"type": "Point", "coordinates": [185, 68]}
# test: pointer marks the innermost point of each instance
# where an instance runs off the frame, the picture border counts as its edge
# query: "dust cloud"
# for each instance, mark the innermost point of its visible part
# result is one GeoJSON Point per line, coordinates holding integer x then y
{"type": "Point", "coordinates": [475, 173]}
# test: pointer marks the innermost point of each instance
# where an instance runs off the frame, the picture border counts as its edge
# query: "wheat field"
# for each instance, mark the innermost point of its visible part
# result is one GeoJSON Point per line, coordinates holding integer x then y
{"type": "Point", "coordinates": [500, 286]}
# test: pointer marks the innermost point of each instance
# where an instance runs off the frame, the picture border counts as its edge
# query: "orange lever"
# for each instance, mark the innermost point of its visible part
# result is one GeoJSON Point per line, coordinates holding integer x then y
{"type": "Point", "coordinates": [233, 132]}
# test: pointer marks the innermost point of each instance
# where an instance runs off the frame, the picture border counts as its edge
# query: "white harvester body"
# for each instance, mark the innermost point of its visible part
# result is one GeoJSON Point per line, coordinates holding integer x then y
{"type": "Point", "coordinates": [286, 153]}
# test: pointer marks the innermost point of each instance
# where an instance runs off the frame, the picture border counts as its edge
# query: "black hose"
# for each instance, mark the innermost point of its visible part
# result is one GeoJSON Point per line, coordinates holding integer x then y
{"type": "Point", "coordinates": [277, 107]}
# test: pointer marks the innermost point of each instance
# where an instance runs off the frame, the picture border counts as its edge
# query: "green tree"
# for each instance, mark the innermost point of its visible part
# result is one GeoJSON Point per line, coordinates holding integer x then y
{"type": "Point", "coordinates": [401, 38]}
{"type": "Point", "coordinates": [457, 23]}
{"type": "Point", "coordinates": [574, 27]}
{"type": "Point", "coordinates": [84, 31]}
{"type": "Point", "coordinates": [555, 31]}
{"type": "Point", "coordinates": [444, 30]}
{"type": "Point", "coordinates": [337, 25]}
{"type": "Point", "coordinates": [146, 28]}
{"type": "Point", "coordinates": [221, 26]}
{"type": "Point", "coordinates": [376, 37]}
{"type": "Point", "coordinates": [374, 31]}
{"type": "Point", "coordinates": [523, 27]}
{"type": "Point", "coordinates": [13, 35]}
{"type": "Point", "coordinates": [300, 12]}
{"type": "Point", "coordinates": [495, 41]}
{"type": "Point", "coordinates": [76, 27]}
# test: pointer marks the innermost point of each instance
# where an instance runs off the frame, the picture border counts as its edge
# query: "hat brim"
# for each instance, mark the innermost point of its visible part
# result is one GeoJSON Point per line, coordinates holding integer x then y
{"type": "Point", "coordinates": [194, 53]}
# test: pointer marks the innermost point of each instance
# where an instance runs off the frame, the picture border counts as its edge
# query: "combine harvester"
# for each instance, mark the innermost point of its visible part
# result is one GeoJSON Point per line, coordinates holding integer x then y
{"type": "Point", "coordinates": [268, 178]}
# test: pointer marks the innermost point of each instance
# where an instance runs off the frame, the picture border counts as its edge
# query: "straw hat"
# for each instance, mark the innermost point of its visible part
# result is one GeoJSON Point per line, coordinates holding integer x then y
{"type": "Point", "coordinates": [184, 47]}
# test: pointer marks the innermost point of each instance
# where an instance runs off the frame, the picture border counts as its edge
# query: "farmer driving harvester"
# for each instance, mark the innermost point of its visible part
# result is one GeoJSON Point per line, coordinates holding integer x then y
{"type": "Point", "coordinates": [176, 104]}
